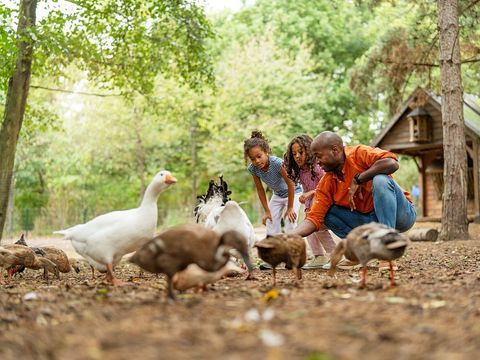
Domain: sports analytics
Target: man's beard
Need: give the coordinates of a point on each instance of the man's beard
(329, 168)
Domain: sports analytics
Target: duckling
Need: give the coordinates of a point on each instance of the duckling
(22, 255)
(195, 276)
(370, 241)
(58, 257)
(289, 249)
(174, 249)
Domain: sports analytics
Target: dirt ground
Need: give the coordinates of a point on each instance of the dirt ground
(433, 313)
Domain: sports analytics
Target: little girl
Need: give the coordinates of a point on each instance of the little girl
(301, 167)
(268, 168)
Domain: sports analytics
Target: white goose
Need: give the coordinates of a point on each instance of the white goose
(231, 217)
(105, 239)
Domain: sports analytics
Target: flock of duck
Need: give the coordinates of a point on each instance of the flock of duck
(191, 254)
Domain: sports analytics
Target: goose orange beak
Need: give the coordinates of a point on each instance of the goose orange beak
(169, 179)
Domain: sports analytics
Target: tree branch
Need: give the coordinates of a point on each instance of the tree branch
(421, 63)
(73, 92)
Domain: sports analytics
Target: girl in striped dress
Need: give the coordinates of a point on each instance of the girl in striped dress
(264, 167)
(302, 168)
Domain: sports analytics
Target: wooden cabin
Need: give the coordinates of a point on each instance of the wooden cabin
(416, 131)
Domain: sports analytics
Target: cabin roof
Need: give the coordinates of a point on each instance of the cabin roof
(471, 113)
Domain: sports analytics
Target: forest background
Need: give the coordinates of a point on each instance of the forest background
(91, 141)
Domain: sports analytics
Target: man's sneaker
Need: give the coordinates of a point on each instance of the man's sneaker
(265, 266)
(316, 263)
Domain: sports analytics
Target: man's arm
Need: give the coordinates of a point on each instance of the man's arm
(385, 166)
(305, 228)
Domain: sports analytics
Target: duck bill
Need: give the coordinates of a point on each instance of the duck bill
(169, 179)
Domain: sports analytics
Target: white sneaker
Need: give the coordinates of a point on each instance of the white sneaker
(327, 266)
(345, 264)
(316, 263)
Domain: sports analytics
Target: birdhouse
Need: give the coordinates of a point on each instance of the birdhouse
(419, 121)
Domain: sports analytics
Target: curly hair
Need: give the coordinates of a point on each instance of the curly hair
(293, 170)
(256, 139)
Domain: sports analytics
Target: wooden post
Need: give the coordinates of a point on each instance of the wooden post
(423, 187)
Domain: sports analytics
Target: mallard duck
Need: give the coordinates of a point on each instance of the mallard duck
(370, 241)
(59, 258)
(104, 240)
(23, 255)
(195, 276)
(289, 249)
(174, 249)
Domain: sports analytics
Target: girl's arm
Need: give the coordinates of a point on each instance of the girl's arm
(263, 199)
(306, 195)
(290, 213)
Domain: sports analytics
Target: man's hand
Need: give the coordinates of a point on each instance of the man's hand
(353, 191)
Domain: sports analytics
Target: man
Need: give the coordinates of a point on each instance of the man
(356, 189)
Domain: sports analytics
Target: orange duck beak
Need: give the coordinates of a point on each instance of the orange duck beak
(169, 179)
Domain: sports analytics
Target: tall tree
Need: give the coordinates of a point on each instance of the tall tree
(18, 87)
(122, 44)
(454, 215)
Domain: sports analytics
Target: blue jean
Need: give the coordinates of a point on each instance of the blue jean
(391, 208)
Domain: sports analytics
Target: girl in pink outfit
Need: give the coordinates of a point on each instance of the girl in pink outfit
(302, 168)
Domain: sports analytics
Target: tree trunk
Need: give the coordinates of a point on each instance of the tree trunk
(454, 214)
(9, 222)
(18, 86)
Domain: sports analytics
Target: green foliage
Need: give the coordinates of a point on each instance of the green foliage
(7, 52)
(124, 44)
(405, 53)
(407, 175)
(30, 184)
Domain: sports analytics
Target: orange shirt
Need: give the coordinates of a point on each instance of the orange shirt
(333, 191)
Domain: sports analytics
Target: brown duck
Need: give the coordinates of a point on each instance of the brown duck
(59, 258)
(174, 249)
(370, 241)
(23, 255)
(289, 249)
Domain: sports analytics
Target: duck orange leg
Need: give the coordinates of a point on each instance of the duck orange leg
(298, 275)
(363, 276)
(111, 277)
(392, 273)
